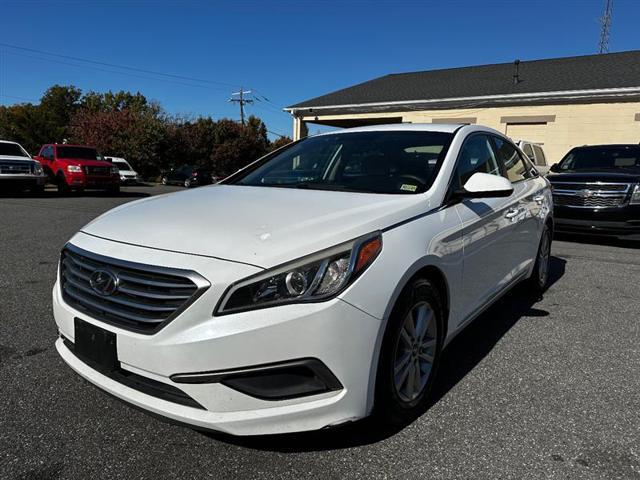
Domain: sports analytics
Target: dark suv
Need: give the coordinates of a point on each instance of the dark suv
(188, 176)
(596, 190)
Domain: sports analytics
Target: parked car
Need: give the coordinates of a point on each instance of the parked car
(264, 305)
(536, 155)
(188, 176)
(125, 170)
(18, 171)
(78, 167)
(596, 190)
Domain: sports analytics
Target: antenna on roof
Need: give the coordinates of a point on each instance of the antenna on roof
(605, 26)
(516, 73)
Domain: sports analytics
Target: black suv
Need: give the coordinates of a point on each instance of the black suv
(596, 190)
(189, 176)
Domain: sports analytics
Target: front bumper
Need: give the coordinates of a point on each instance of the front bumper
(623, 222)
(23, 180)
(81, 180)
(335, 333)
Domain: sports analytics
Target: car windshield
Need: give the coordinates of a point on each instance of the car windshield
(395, 162)
(83, 153)
(121, 165)
(12, 149)
(602, 158)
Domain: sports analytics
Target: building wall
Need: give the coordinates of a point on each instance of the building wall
(557, 127)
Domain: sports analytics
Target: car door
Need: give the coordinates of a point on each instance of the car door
(487, 228)
(528, 193)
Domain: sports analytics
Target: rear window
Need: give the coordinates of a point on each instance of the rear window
(83, 153)
(12, 149)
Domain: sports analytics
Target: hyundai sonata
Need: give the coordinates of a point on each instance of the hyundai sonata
(316, 286)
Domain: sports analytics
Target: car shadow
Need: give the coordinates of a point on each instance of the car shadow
(598, 240)
(464, 352)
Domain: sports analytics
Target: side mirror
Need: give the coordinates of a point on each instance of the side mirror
(555, 168)
(485, 185)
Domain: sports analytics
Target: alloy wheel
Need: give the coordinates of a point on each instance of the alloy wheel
(544, 256)
(415, 352)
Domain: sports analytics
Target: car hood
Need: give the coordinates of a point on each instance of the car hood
(261, 226)
(16, 158)
(87, 163)
(595, 176)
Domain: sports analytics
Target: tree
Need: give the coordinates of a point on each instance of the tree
(280, 142)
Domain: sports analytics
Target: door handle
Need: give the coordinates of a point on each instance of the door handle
(512, 213)
(539, 199)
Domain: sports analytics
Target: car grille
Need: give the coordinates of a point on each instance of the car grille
(590, 195)
(15, 168)
(144, 298)
(91, 170)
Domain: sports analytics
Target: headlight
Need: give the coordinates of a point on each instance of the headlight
(37, 169)
(311, 279)
(74, 169)
(635, 196)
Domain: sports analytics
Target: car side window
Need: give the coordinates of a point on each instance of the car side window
(541, 161)
(476, 156)
(515, 166)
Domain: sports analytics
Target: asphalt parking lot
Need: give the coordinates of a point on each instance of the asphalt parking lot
(535, 388)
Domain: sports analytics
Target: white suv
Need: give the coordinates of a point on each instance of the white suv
(312, 288)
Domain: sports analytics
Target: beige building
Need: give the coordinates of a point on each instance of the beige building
(558, 103)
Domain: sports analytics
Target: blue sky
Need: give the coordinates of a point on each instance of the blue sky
(287, 51)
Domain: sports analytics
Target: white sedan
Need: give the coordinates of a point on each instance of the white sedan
(316, 286)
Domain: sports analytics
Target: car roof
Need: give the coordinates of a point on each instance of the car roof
(610, 145)
(403, 127)
(9, 141)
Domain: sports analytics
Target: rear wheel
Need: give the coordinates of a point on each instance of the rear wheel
(113, 189)
(410, 354)
(539, 279)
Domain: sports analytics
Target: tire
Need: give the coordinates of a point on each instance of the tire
(113, 189)
(63, 187)
(539, 279)
(164, 181)
(396, 401)
(187, 183)
(37, 190)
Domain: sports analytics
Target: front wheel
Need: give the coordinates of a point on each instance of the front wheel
(164, 180)
(63, 187)
(187, 183)
(410, 354)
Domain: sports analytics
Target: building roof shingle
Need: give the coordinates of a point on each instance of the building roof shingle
(589, 72)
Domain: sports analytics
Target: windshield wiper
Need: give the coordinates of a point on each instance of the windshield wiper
(331, 187)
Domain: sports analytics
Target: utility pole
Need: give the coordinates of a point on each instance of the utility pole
(239, 98)
(605, 25)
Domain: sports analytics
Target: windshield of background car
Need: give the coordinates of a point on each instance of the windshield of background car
(13, 150)
(121, 165)
(394, 162)
(83, 153)
(602, 158)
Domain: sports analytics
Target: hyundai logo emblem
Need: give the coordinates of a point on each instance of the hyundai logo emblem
(103, 282)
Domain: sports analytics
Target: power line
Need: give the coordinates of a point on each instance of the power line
(175, 82)
(114, 65)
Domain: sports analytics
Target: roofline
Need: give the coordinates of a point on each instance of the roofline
(511, 96)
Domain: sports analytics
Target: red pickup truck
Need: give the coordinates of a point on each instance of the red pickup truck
(77, 167)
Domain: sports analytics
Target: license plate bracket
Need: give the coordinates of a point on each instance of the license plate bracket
(96, 346)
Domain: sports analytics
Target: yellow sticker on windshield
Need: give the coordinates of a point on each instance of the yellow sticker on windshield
(408, 188)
